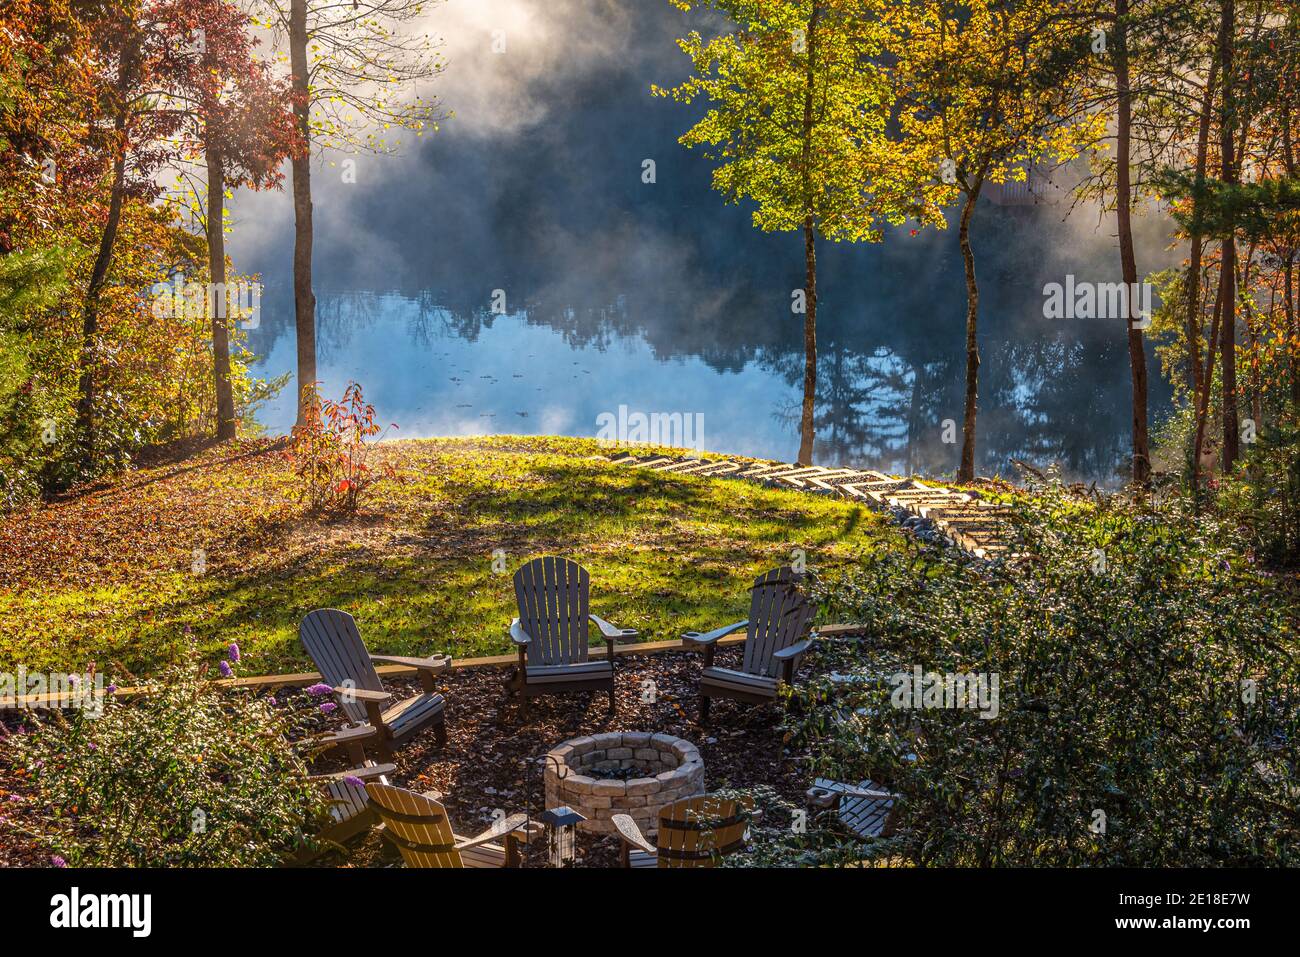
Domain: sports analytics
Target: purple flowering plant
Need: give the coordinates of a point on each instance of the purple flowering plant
(190, 743)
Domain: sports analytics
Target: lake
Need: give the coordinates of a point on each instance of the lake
(514, 274)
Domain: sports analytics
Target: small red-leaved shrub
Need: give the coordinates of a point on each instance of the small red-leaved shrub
(331, 451)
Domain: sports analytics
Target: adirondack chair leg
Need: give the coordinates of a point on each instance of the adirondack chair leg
(512, 850)
(385, 736)
(440, 730)
(609, 655)
(794, 705)
(704, 708)
(521, 681)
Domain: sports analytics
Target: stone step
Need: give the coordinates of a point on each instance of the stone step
(863, 490)
(683, 466)
(719, 468)
(973, 525)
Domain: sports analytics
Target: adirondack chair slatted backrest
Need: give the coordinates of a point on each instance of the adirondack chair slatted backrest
(552, 597)
(345, 800)
(417, 825)
(696, 832)
(331, 638)
(778, 615)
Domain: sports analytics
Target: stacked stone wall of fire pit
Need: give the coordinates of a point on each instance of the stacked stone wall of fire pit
(633, 773)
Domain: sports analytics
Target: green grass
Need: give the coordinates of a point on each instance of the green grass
(666, 554)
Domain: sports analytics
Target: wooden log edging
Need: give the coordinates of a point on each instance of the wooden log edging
(304, 678)
(948, 510)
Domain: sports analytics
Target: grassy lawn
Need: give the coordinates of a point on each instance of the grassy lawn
(106, 574)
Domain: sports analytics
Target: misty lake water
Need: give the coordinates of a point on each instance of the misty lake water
(662, 298)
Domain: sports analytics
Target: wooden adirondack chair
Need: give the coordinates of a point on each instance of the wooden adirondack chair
(418, 825)
(693, 832)
(866, 810)
(551, 633)
(350, 810)
(774, 643)
(331, 638)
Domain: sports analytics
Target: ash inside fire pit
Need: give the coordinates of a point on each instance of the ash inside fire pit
(634, 773)
(614, 774)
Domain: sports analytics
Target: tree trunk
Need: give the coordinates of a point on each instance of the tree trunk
(1193, 284)
(1228, 358)
(218, 300)
(913, 417)
(1227, 329)
(304, 299)
(807, 418)
(1252, 321)
(1288, 157)
(966, 472)
(1141, 468)
(807, 425)
(1203, 408)
(99, 274)
(1293, 327)
(90, 318)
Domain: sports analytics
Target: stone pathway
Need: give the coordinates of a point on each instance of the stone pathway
(923, 508)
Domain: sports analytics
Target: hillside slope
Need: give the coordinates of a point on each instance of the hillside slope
(214, 548)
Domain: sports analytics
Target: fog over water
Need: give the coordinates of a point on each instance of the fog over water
(660, 296)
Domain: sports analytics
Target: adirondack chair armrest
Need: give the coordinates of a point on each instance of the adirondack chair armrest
(330, 739)
(866, 793)
(515, 822)
(830, 799)
(427, 667)
(787, 656)
(822, 798)
(631, 837)
(372, 700)
(353, 739)
(434, 663)
(611, 632)
(798, 648)
(363, 695)
(363, 774)
(709, 637)
(518, 635)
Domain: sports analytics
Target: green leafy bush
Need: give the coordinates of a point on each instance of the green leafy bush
(189, 776)
(1149, 708)
(32, 415)
(1264, 499)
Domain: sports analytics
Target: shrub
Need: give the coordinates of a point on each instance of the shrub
(779, 836)
(153, 373)
(331, 451)
(1264, 499)
(1149, 706)
(188, 776)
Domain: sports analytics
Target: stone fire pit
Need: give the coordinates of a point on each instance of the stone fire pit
(629, 772)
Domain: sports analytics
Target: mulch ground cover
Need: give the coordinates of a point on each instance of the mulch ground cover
(493, 758)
